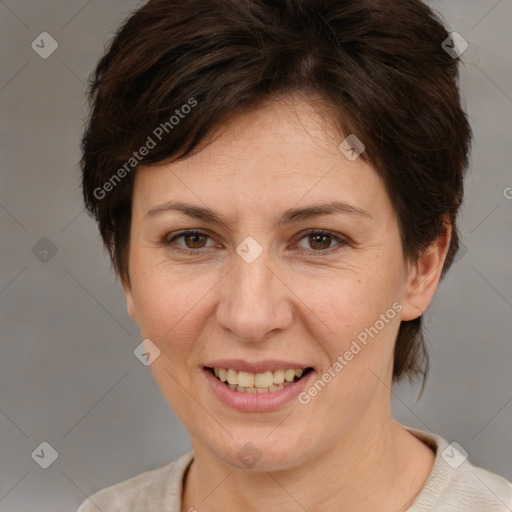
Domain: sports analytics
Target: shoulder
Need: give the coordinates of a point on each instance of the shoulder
(456, 484)
(160, 487)
(475, 489)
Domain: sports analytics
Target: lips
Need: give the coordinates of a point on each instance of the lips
(257, 399)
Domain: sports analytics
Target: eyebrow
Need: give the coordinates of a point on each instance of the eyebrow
(287, 217)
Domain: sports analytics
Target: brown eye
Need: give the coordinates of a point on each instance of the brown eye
(195, 240)
(319, 241)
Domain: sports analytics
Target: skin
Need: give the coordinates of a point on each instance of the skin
(342, 450)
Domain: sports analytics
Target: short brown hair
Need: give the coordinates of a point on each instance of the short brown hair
(379, 64)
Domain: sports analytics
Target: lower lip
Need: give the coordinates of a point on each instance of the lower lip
(256, 402)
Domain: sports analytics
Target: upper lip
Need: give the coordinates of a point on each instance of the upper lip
(268, 365)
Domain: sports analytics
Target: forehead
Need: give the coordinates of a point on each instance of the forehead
(283, 153)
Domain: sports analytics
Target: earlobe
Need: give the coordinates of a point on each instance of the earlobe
(424, 275)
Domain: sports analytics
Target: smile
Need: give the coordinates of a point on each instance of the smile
(265, 382)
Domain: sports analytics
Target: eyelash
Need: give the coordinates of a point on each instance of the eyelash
(168, 241)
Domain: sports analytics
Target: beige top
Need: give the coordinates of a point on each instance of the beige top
(454, 485)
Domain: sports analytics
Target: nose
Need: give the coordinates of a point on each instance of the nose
(255, 301)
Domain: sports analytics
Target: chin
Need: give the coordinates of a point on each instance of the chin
(253, 453)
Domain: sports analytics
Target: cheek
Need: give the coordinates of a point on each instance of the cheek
(356, 321)
(171, 309)
(344, 304)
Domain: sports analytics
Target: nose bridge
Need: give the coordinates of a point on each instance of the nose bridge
(254, 302)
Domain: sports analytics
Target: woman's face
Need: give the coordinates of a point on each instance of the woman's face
(257, 289)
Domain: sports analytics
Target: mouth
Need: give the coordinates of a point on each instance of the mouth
(265, 382)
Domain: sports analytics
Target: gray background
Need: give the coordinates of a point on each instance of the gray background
(68, 375)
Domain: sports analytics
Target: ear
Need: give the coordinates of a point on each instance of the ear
(130, 303)
(423, 276)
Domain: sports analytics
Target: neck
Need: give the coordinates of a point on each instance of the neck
(372, 467)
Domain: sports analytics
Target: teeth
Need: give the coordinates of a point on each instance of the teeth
(246, 379)
(278, 376)
(264, 382)
(232, 376)
(289, 375)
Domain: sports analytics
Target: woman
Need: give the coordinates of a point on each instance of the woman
(278, 185)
